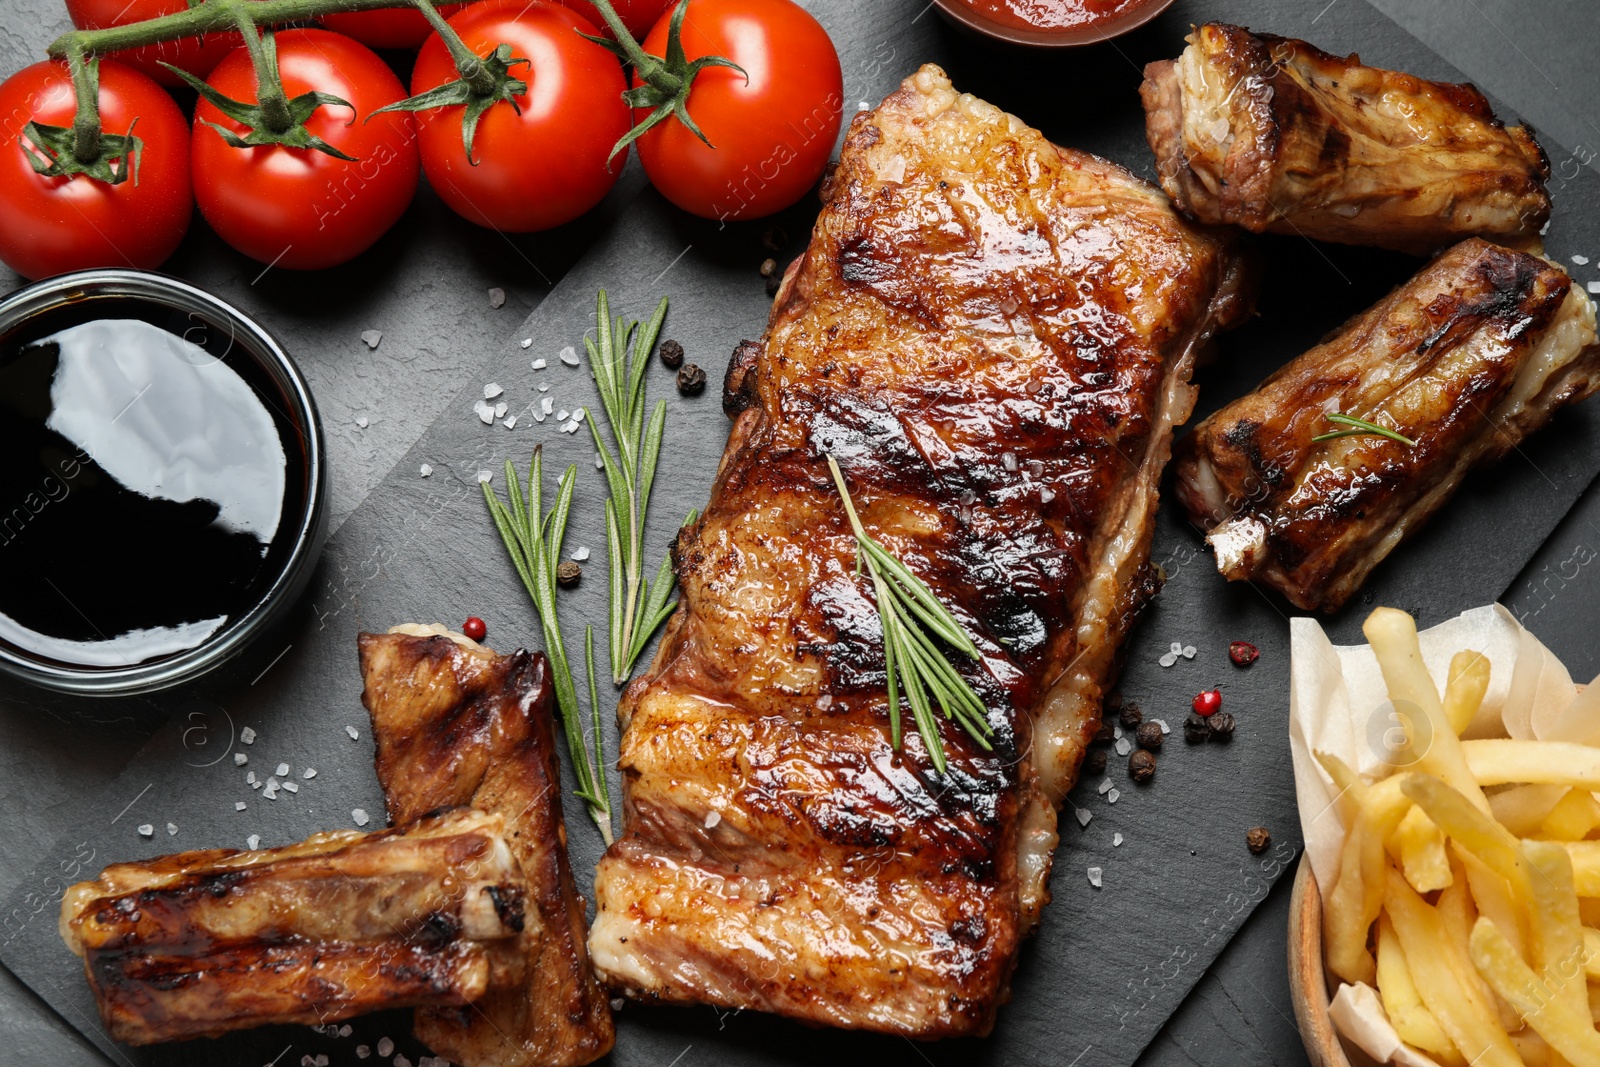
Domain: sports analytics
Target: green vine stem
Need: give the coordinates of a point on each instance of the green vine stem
(216, 16)
(86, 118)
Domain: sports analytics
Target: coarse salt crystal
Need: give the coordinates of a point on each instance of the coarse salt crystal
(320, 1060)
(310, 773)
(1111, 797)
(271, 791)
(547, 404)
(1188, 651)
(599, 464)
(401, 1061)
(372, 337)
(484, 411)
(1593, 287)
(247, 735)
(361, 421)
(253, 842)
(354, 734)
(1116, 731)
(1008, 460)
(255, 785)
(283, 770)
(291, 787)
(240, 759)
(1165, 729)
(1116, 839)
(362, 1052)
(492, 390)
(1123, 747)
(526, 342)
(563, 415)
(569, 356)
(426, 470)
(712, 818)
(1105, 786)
(510, 423)
(346, 1030)
(485, 476)
(539, 364)
(581, 554)
(538, 416)
(1083, 816)
(1095, 874)
(239, 805)
(1045, 496)
(1580, 260)
(500, 409)
(544, 388)
(249, 777)
(1168, 659)
(146, 830)
(497, 298)
(360, 816)
(385, 1047)
(570, 426)
(172, 829)
(580, 414)
(863, 106)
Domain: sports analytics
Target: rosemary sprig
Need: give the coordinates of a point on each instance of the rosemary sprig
(908, 611)
(1360, 427)
(533, 538)
(619, 358)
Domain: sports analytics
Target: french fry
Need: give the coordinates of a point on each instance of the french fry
(1496, 902)
(1585, 857)
(1557, 949)
(1393, 636)
(1472, 1026)
(1574, 815)
(1594, 1003)
(1497, 761)
(1470, 828)
(1591, 952)
(1521, 808)
(1419, 849)
(1348, 785)
(1357, 895)
(1568, 1032)
(1407, 1013)
(1467, 682)
(1458, 911)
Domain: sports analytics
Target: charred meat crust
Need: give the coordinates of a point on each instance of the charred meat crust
(1467, 358)
(1275, 135)
(461, 725)
(993, 337)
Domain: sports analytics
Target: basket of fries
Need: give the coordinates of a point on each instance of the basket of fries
(1447, 909)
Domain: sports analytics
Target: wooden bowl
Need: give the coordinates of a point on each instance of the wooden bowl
(1308, 982)
(976, 22)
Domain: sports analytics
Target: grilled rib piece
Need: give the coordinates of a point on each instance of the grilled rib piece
(455, 723)
(343, 923)
(994, 337)
(1275, 135)
(1467, 358)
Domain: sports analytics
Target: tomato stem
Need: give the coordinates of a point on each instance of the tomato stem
(273, 104)
(469, 65)
(86, 140)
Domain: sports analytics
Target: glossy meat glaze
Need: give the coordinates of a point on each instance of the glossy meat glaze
(1466, 359)
(458, 724)
(993, 336)
(1276, 135)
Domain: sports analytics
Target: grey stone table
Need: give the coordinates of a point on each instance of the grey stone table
(1536, 55)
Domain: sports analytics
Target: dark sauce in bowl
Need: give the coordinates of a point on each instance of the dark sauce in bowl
(154, 488)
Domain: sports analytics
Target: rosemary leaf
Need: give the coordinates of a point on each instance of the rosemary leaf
(1360, 427)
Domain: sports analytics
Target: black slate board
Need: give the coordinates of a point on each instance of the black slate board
(1109, 965)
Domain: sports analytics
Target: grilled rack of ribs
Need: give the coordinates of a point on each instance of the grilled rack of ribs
(1466, 359)
(454, 724)
(994, 338)
(344, 923)
(1275, 135)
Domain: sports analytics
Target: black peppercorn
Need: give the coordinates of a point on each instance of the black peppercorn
(1105, 733)
(1195, 730)
(568, 574)
(691, 380)
(671, 355)
(1095, 761)
(1221, 726)
(1149, 735)
(1258, 839)
(1142, 765)
(1130, 715)
(769, 267)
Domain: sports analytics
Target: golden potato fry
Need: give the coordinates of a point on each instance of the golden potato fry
(1357, 895)
(1496, 902)
(1418, 847)
(1556, 945)
(1497, 761)
(1470, 828)
(1472, 1025)
(1407, 1013)
(1393, 636)
(1458, 911)
(1569, 1033)
(1574, 815)
(1522, 808)
(1585, 857)
(1348, 786)
(1591, 952)
(1594, 1002)
(1463, 691)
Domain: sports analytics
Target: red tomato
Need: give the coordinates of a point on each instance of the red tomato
(774, 136)
(546, 165)
(637, 15)
(401, 27)
(197, 55)
(53, 225)
(298, 207)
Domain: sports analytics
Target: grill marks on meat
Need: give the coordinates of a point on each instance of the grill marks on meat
(199, 943)
(455, 724)
(1275, 135)
(1468, 358)
(993, 336)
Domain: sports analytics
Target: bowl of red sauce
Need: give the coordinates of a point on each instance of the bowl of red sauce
(1051, 23)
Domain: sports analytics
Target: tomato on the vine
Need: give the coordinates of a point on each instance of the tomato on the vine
(299, 207)
(197, 55)
(637, 15)
(397, 27)
(50, 225)
(772, 137)
(544, 162)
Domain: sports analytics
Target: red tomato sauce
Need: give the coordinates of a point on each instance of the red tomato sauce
(1051, 14)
